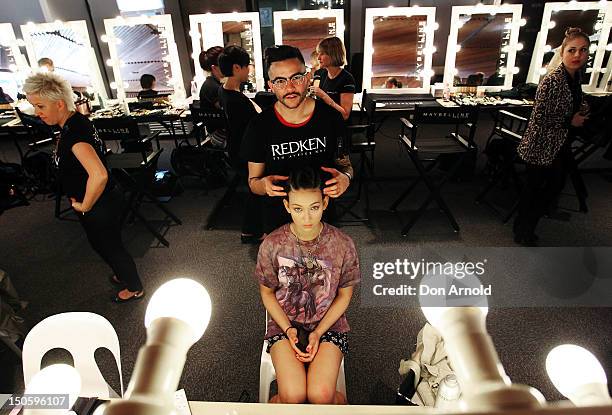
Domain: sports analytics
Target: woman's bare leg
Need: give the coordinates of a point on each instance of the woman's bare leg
(323, 376)
(290, 374)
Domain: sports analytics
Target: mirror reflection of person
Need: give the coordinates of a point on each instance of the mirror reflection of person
(5, 98)
(476, 79)
(392, 83)
(147, 83)
(46, 65)
(209, 92)
(333, 84)
(82, 173)
(546, 147)
(314, 61)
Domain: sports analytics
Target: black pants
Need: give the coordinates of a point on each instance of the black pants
(252, 219)
(103, 228)
(542, 187)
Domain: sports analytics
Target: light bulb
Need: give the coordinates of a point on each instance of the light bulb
(104, 38)
(523, 22)
(20, 42)
(519, 46)
(515, 70)
(56, 379)
(109, 62)
(578, 375)
(194, 307)
(552, 24)
(113, 85)
(457, 48)
(547, 48)
(609, 47)
(542, 71)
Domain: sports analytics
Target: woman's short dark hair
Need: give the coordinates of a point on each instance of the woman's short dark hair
(210, 57)
(146, 81)
(233, 55)
(306, 178)
(573, 33)
(279, 53)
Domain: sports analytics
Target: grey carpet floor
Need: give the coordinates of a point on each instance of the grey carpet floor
(53, 268)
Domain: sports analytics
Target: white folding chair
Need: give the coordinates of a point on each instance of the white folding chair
(81, 334)
(267, 374)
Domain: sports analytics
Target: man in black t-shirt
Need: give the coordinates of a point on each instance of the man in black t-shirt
(295, 132)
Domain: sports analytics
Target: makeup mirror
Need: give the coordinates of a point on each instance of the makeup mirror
(557, 17)
(225, 29)
(143, 45)
(399, 44)
(13, 65)
(482, 45)
(67, 45)
(304, 29)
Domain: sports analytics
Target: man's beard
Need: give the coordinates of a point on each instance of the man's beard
(302, 98)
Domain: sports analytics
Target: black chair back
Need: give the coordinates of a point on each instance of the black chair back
(442, 115)
(125, 130)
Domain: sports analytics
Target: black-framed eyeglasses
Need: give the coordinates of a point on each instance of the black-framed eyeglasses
(297, 79)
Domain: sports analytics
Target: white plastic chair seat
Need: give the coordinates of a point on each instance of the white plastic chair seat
(267, 374)
(81, 334)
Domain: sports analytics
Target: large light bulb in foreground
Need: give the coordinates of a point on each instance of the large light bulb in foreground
(183, 299)
(177, 316)
(578, 375)
(58, 379)
(461, 320)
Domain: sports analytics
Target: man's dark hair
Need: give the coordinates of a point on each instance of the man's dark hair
(146, 81)
(210, 57)
(233, 55)
(279, 53)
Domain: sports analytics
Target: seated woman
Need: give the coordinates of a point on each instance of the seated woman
(147, 82)
(307, 270)
(209, 93)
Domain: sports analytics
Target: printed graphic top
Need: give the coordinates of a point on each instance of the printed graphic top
(305, 291)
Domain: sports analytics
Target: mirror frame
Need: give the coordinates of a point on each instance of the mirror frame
(449, 64)
(23, 68)
(175, 65)
(370, 15)
(80, 27)
(604, 40)
(201, 20)
(537, 57)
(279, 16)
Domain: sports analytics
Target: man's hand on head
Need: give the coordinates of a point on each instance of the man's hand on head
(337, 185)
(272, 187)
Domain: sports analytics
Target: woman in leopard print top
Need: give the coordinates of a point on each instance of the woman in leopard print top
(545, 146)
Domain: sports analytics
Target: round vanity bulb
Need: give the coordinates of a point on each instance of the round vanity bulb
(183, 299)
(547, 48)
(109, 62)
(552, 24)
(56, 379)
(523, 22)
(519, 46)
(113, 85)
(104, 38)
(609, 47)
(435, 315)
(571, 368)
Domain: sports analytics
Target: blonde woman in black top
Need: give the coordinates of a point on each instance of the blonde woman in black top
(545, 146)
(79, 157)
